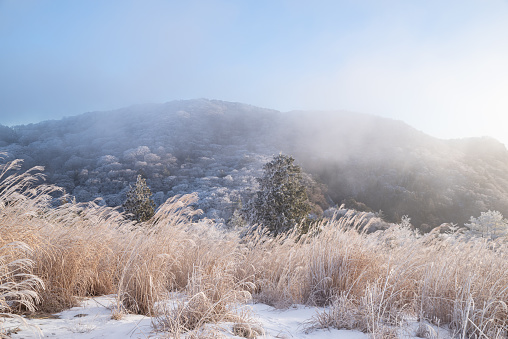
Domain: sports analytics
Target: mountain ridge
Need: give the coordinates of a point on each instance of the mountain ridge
(218, 148)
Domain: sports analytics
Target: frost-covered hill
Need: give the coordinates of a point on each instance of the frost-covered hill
(390, 166)
(217, 148)
(213, 148)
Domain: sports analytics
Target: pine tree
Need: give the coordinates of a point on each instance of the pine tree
(490, 225)
(281, 202)
(139, 205)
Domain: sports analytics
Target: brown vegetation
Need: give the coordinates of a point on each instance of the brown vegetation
(372, 282)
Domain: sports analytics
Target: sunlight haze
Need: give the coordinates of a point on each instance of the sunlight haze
(254, 169)
(439, 66)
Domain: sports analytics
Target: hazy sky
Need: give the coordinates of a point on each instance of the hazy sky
(439, 65)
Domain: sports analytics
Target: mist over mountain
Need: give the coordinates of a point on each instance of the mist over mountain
(218, 148)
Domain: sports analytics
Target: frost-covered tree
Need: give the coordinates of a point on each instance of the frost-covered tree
(139, 204)
(7, 135)
(281, 201)
(489, 224)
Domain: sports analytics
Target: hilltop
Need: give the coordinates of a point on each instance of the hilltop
(217, 149)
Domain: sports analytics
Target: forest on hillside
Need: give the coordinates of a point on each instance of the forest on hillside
(217, 149)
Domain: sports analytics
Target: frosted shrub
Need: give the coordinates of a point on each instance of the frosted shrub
(490, 225)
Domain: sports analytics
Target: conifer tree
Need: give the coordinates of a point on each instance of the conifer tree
(139, 205)
(490, 225)
(281, 202)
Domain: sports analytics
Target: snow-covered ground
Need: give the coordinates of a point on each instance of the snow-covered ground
(93, 320)
(292, 323)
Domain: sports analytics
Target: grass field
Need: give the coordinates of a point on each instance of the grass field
(375, 282)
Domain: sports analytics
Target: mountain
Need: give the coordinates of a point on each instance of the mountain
(218, 148)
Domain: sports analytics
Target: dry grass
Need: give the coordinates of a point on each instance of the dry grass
(86, 250)
(445, 279)
(214, 295)
(370, 282)
(18, 286)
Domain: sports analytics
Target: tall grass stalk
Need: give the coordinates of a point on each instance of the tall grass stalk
(371, 282)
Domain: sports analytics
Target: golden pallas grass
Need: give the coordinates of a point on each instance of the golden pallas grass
(55, 253)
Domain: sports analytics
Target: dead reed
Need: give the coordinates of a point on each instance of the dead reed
(371, 282)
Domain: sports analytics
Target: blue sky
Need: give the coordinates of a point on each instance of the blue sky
(441, 66)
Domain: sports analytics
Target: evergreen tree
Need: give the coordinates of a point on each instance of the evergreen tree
(489, 225)
(139, 205)
(281, 202)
